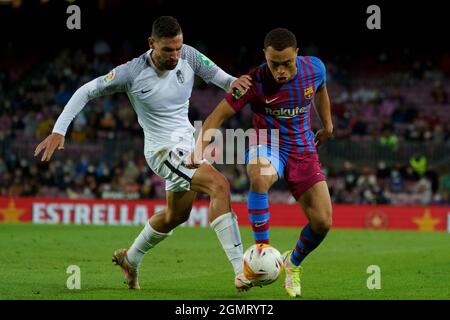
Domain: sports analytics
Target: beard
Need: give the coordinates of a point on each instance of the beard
(169, 65)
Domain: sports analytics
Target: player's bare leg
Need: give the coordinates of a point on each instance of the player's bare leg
(158, 227)
(210, 181)
(316, 205)
(262, 175)
(179, 206)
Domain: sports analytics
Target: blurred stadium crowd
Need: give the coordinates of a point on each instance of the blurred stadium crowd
(404, 113)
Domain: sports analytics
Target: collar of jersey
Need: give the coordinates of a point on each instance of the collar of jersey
(149, 60)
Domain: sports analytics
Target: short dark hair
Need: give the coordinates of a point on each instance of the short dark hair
(280, 39)
(166, 26)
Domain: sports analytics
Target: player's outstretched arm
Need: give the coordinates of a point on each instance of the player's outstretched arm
(323, 109)
(115, 81)
(56, 139)
(222, 112)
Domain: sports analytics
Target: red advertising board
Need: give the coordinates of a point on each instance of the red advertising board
(131, 212)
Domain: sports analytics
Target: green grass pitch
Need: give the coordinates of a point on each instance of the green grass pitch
(192, 265)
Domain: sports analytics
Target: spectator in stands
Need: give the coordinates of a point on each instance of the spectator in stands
(366, 184)
(439, 94)
(389, 139)
(423, 188)
(419, 164)
(350, 176)
(383, 171)
(396, 181)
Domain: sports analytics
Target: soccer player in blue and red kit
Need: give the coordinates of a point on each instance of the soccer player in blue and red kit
(281, 96)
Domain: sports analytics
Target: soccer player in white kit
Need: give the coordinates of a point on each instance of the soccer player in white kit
(159, 84)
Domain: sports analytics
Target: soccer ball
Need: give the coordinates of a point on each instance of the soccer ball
(262, 264)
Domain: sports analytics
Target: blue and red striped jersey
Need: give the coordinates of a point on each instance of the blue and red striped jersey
(285, 107)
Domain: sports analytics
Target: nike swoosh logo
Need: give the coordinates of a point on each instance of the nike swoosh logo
(142, 91)
(257, 225)
(237, 245)
(272, 100)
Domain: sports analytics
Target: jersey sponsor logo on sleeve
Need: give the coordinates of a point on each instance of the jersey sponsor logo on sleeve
(111, 75)
(205, 60)
(237, 94)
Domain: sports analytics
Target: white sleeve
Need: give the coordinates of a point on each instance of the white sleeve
(117, 80)
(205, 68)
(222, 79)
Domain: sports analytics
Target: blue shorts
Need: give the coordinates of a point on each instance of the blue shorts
(277, 157)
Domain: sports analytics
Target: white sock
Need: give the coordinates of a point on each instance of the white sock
(147, 239)
(227, 230)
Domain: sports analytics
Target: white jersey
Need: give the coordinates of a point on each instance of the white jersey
(160, 98)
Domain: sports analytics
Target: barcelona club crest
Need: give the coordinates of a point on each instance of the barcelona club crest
(308, 92)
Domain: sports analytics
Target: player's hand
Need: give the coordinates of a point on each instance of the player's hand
(322, 135)
(50, 144)
(243, 83)
(193, 162)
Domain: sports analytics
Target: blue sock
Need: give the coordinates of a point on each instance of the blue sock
(307, 242)
(258, 213)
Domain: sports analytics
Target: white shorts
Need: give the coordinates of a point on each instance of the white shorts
(167, 163)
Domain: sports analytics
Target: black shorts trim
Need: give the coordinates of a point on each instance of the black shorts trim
(178, 172)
